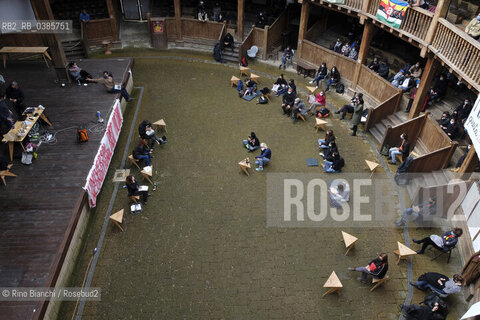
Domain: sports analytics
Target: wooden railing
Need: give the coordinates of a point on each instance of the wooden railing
(275, 32)
(171, 27)
(354, 4)
(433, 161)
(382, 111)
(373, 7)
(96, 31)
(460, 51)
(376, 86)
(246, 44)
(223, 32)
(417, 22)
(411, 127)
(193, 28)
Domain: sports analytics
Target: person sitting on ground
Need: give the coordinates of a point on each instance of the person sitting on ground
(337, 46)
(133, 189)
(291, 84)
(403, 149)
(416, 70)
(286, 57)
(452, 129)
(325, 143)
(357, 113)
(444, 120)
(84, 16)
(280, 84)
(473, 28)
(347, 108)
(336, 165)
(327, 155)
(252, 143)
(251, 87)
(424, 312)
(320, 100)
(339, 194)
(438, 90)
(216, 11)
(461, 159)
(445, 242)
(261, 21)
(15, 96)
(321, 74)
(377, 268)
(142, 152)
(110, 85)
(299, 107)
(264, 157)
(383, 69)
(228, 42)
(353, 53)
(439, 283)
(428, 208)
(398, 78)
(462, 112)
(374, 65)
(202, 11)
(146, 132)
(288, 102)
(78, 74)
(6, 116)
(408, 83)
(334, 78)
(345, 49)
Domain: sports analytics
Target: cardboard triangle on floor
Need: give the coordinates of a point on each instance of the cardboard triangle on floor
(333, 281)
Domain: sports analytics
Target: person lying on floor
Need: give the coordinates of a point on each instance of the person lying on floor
(428, 208)
(377, 268)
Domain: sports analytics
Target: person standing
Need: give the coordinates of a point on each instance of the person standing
(15, 96)
(287, 57)
(357, 113)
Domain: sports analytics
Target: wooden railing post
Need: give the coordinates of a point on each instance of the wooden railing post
(302, 29)
(425, 83)
(178, 22)
(368, 32)
(440, 12)
(265, 42)
(113, 21)
(240, 13)
(469, 164)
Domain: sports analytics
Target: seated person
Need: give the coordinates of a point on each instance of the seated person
(261, 21)
(321, 74)
(403, 149)
(146, 132)
(462, 112)
(15, 96)
(336, 165)
(252, 143)
(143, 152)
(334, 78)
(377, 268)
(423, 312)
(398, 78)
(339, 193)
(288, 101)
(444, 243)
(353, 53)
(444, 120)
(286, 57)
(416, 70)
(418, 3)
(279, 84)
(298, 107)
(374, 65)
(337, 46)
(264, 157)
(383, 69)
(110, 85)
(439, 89)
(345, 49)
(408, 83)
(251, 87)
(284, 89)
(320, 100)
(221, 17)
(6, 116)
(439, 283)
(329, 151)
(428, 208)
(325, 143)
(202, 11)
(473, 28)
(347, 108)
(452, 129)
(77, 74)
(133, 189)
(228, 42)
(461, 159)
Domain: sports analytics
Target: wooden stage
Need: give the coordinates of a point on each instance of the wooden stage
(39, 208)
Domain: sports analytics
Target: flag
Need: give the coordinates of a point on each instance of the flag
(392, 12)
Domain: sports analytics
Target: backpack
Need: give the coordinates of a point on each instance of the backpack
(323, 113)
(340, 88)
(244, 62)
(82, 135)
(240, 85)
(262, 100)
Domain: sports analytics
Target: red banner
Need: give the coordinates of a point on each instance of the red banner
(97, 173)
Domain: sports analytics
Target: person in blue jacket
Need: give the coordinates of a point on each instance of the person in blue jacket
(264, 157)
(443, 243)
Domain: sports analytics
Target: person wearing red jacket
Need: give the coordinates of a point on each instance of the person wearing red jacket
(377, 268)
(320, 100)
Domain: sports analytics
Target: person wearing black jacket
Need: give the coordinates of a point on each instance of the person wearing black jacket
(374, 65)
(383, 69)
(146, 132)
(6, 117)
(335, 165)
(321, 74)
(334, 78)
(252, 143)
(142, 152)
(462, 111)
(288, 101)
(228, 42)
(438, 90)
(377, 268)
(417, 312)
(329, 151)
(444, 120)
(452, 129)
(324, 143)
(132, 188)
(444, 242)
(16, 97)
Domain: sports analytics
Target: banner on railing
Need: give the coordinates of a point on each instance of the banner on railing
(97, 173)
(472, 125)
(336, 1)
(392, 12)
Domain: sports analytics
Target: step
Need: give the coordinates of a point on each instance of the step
(440, 177)
(395, 120)
(381, 128)
(401, 116)
(376, 134)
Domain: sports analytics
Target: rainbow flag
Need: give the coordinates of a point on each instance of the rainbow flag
(392, 12)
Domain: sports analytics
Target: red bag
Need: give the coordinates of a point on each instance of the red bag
(372, 267)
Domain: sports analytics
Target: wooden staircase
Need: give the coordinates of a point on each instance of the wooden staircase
(378, 131)
(73, 49)
(230, 56)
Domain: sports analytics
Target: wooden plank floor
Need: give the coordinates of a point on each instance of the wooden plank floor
(37, 206)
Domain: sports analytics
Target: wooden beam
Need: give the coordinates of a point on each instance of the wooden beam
(302, 29)
(240, 16)
(469, 164)
(368, 32)
(113, 20)
(178, 19)
(425, 83)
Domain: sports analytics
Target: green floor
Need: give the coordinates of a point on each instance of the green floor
(201, 249)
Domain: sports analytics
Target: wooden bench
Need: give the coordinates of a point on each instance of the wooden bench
(117, 219)
(306, 68)
(134, 161)
(6, 173)
(378, 282)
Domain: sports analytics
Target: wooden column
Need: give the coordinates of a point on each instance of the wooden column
(440, 12)
(178, 21)
(302, 28)
(469, 164)
(425, 84)
(368, 32)
(240, 14)
(113, 20)
(265, 42)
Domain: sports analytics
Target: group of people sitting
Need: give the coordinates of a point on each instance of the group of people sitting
(347, 49)
(452, 123)
(329, 152)
(252, 143)
(331, 77)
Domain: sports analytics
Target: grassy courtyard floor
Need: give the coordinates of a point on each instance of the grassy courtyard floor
(201, 249)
